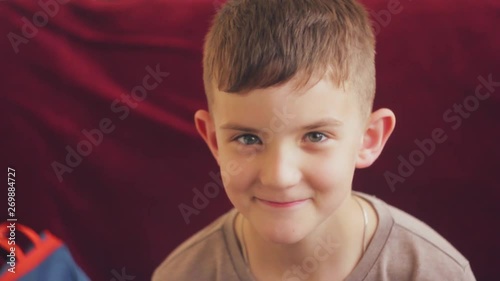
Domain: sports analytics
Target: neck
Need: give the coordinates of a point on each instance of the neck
(332, 250)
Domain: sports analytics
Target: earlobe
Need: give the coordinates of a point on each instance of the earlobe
(380, 126)
(205, 127)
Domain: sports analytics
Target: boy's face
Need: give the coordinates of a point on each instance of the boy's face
(287, 158)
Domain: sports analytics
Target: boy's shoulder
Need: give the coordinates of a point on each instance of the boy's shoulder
(409, 227)
(195, 258)
(405, 248)
(402, 248)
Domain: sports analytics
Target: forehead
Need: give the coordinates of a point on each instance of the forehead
(285, 103)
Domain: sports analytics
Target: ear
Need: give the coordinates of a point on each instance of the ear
(380, 126)
(205, 126)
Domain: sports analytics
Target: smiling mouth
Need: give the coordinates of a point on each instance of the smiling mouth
(282, 204)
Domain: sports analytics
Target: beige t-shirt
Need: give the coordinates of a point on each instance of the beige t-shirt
(402, 249)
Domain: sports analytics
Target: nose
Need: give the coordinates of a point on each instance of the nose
(280, 168)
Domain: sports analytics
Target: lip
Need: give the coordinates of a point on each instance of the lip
(288, 204)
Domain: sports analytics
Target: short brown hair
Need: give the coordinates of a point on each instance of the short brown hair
(254, 44)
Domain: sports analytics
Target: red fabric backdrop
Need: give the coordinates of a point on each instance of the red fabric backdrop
(68, 71)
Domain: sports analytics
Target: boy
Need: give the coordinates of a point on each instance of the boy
(290, 87)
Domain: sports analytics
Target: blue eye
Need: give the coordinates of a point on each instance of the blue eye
(316, 137)
(248, 139)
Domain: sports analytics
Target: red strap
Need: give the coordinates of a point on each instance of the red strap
(5, 245)
(30, 233)
(5, 234)
(27, 262)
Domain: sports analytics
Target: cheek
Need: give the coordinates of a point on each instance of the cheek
(236, 170)
(331, 180)
(332, 170)
(238, 183)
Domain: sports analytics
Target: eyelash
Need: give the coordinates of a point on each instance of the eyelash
(324, 138)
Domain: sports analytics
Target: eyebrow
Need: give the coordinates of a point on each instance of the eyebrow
(236, 127)
(325, 122)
